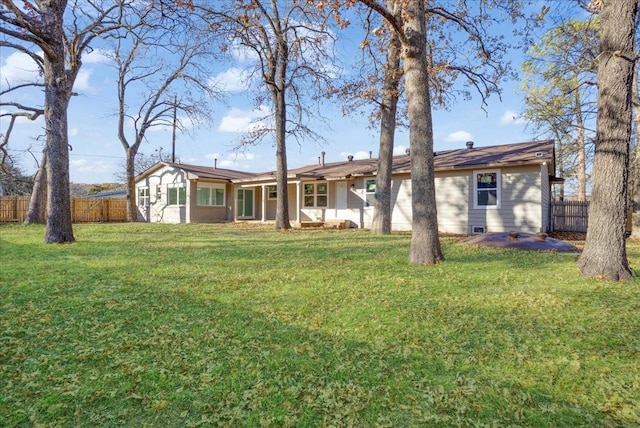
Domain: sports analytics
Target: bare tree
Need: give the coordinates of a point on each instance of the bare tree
(464, 56)
(605, 253)
(160, 66)
(63, 32)
(293, 49)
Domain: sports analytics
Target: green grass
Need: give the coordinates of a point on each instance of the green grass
(218, 325)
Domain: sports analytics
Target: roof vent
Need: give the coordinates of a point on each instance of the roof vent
(406, 152)
(539, 154)
(350, 158)
(469, 144)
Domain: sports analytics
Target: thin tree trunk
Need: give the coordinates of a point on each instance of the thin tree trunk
(132, 209)
(425, 243)
(56, 101)
(38, 200)
(392, 73)
(605, 253)
(280, 102)
(582, 163)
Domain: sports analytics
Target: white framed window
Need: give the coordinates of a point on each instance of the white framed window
(316, 195)
(272, 193)
(158, 192)
(143, 196)
(177, 195)
(210, 196)
(369, 192)
(486, 189)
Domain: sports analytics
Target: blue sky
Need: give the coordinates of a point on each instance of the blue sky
(97, 155)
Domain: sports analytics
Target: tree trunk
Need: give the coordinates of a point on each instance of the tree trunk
(425, 243)
(56, 101)
(132, 209)
(635, 168)
(280, 102)
(392, 73)
(605, 253)
(38, 200)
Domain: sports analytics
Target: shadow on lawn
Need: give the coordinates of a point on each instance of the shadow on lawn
(128, 354)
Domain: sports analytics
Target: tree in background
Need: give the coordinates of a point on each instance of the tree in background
(63, 34)
(293, 50)
(560, 93)
(160, 57)
(604, 252)
(465, 56)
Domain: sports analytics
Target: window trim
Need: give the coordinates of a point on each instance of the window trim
(211, 188)
(274, 191)
(368, 193)
(315, 194)
(142, 198)
(498, 189)
(178, 188)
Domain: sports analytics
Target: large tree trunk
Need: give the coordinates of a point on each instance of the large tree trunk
(392, 73)
(56, 101)
(425, 243)
(38, 200)
(132, 209)
(635, 168)
(605, 254)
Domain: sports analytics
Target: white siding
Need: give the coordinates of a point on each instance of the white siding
(521, 206)
(158, 210)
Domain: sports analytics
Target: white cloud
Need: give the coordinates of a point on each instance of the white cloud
(231, 80)
(18, 68)
(459, 136)
(237, 120)
(82, 80)
(73, 132)
(399, 150)
(511, 118)
(360, 154)
(97, 56)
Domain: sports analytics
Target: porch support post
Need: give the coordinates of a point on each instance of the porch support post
(234, 203)
(298, 193)
(263, 203)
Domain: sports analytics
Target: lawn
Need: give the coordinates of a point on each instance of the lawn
(152, 325)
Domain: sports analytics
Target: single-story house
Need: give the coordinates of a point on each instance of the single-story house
(481, 189)
(178, 193)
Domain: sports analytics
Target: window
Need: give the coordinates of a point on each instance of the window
(143, 196)
(177, 195)
(158, 192)
(272, 192)
(370, 192)
(487, 189)
(210, 196)
(316, 195)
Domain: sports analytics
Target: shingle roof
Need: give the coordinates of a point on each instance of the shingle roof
(201, 172)
(211, 172)
(533, 152)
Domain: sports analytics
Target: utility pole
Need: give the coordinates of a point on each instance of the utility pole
(173, 140)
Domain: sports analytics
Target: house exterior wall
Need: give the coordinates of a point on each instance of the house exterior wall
(207, 214)
(521, 205)
(159, 210)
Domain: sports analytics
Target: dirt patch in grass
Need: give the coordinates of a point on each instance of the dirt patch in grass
(522, 241)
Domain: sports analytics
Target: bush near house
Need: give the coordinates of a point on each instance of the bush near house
(205, 325)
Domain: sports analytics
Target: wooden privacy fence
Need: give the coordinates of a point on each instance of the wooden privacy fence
(569, 216)
(13, 209)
